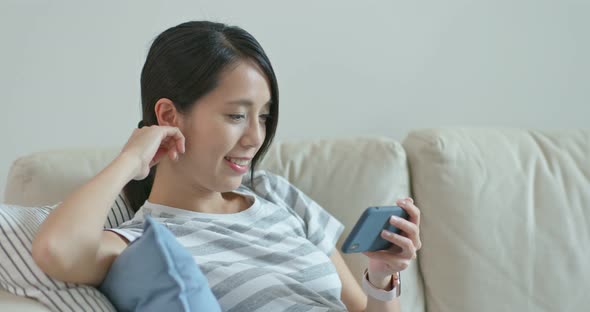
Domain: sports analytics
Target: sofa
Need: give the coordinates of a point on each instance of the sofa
(505, 212)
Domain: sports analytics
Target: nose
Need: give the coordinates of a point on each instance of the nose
(254, 134)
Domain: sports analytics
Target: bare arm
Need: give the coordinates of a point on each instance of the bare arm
(352, 294)
(70, 244)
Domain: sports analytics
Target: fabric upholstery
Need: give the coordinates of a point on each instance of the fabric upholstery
(505, 218)
(46, 178)
(20, 275)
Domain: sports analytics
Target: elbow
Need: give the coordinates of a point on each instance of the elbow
(46, 256)
(63, 262)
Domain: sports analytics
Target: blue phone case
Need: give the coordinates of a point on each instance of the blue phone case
(366, 234)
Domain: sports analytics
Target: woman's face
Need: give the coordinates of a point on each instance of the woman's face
(225, 129)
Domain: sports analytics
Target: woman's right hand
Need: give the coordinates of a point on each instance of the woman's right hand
(148, 145)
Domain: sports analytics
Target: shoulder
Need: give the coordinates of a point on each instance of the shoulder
(277, 189)
(272, 187)
(263, 180)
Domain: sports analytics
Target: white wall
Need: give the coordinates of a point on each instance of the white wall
(69, 70)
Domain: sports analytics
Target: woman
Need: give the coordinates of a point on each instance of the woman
(210, 111)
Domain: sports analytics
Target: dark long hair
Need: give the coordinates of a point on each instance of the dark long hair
(184, 63)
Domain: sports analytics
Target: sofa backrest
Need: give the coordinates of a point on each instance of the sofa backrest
(505, 218)
(344, 176)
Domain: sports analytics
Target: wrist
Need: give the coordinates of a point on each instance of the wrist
(379, 291)
(381, 282)
(129, 165)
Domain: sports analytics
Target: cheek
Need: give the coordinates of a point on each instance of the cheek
(215, 140)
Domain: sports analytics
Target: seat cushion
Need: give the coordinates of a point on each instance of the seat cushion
(505, 218)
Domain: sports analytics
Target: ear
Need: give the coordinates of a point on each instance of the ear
(166, 113)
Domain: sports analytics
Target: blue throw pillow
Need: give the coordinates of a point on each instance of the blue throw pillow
(155, 273)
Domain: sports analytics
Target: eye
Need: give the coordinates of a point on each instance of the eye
(236, 117)
(265, 117)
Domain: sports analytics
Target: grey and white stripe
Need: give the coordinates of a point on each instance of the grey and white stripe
(21, 276)
(119, 213)
(274, 256)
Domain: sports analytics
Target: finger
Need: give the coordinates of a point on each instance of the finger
(173, 154)
(393, 261)
(404, 225)
(410, 229)
(407, 246)
(180, 145)
(171, 146)
(158, 156)
(382, 255)
(177, 136)
(411, 209)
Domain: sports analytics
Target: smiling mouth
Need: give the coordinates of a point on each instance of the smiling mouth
(238, 161)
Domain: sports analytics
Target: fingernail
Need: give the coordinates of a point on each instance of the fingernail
(394, 218)
(387, 233)
(401, 202)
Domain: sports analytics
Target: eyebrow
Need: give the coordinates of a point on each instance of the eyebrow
(248, 103)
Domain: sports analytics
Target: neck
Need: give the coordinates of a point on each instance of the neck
(172, 189)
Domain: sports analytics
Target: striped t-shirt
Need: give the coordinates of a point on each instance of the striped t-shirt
(273, 256)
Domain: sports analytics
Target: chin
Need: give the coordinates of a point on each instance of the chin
(230, 184)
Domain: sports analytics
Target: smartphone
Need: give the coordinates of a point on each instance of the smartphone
(366, 233)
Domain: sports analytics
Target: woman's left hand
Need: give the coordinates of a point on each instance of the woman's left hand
(384, 263)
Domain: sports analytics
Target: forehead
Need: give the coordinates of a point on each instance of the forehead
(243, 84)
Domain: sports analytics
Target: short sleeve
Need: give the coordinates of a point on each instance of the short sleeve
(131, 230)
(322, 229)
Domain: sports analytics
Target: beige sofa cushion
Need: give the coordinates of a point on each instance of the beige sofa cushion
(344, 176)
(506, 217)
(47, 177)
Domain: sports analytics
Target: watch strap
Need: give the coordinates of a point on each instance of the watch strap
(380, 294)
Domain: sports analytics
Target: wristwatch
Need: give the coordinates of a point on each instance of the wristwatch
(381, 294)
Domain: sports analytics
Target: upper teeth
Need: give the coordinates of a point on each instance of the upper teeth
(239, 162)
